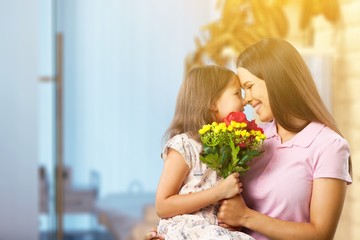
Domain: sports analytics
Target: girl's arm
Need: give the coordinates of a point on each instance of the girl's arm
(327, 200)
(168, 200)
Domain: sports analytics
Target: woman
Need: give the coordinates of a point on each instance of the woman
(296, 190)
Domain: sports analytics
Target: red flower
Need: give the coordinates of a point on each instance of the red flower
(253, 126)
(235, 116)
(242, 145)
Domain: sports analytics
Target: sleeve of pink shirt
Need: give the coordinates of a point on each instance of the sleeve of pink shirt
(333, 160)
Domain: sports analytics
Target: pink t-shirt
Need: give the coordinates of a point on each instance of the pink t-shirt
(279, 183)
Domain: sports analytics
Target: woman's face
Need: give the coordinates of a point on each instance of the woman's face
(256, 94)
(229, 101)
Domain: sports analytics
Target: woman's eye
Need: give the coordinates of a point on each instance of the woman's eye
(249, 86)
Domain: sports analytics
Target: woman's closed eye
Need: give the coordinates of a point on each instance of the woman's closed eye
(248, 86)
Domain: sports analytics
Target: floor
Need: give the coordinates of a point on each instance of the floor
(76, 227)
(79, 236)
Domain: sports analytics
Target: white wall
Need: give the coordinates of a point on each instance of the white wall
(18, 120)
(124, 63)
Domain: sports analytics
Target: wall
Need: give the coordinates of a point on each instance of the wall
(347, 105)
(342, 40)
(123, 65)
(18, 121)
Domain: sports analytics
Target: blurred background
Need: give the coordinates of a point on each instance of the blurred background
(88, 87)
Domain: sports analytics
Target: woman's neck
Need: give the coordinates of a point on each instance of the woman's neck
(286, 135)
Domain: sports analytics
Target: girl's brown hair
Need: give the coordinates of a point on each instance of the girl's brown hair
(291, 88)
(201, 87)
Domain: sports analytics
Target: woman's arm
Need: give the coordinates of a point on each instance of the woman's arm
(168, 200)
(327, 201)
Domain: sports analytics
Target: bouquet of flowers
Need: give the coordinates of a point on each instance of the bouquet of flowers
(228, 146)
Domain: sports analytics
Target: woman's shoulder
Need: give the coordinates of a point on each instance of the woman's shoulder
(319, 135)
(326, 133)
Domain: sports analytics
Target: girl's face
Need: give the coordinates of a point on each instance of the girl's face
(229, 101)
(256, 94)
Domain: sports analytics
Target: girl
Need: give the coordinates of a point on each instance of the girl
(188, 192)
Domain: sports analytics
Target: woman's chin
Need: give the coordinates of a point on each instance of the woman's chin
(264, 118)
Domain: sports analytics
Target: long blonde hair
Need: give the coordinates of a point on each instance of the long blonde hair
(201, 87)
(291, 88)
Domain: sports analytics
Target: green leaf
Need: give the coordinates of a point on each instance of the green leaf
(248, 155)
(241, 169)
(212, 160)
(234, 153)
(225, 154)
(208, 149)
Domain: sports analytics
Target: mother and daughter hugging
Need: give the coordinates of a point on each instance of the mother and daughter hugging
(295, 190)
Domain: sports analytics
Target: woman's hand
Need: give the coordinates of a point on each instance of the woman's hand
(230, 186)
(153, 235)
(232, 211)
(228, 227)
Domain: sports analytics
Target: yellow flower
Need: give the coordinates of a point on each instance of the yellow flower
(222, 126)
(243, 133)
(217, 129)
(243, 125)
(262, 136)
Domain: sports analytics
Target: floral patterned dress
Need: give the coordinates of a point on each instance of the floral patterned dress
(203, 223)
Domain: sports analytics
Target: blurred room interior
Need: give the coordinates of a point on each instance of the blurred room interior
(89, 88)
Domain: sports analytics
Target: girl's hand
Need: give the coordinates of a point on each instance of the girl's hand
(153, 235)
(230, 186)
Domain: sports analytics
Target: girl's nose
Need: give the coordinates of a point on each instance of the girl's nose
(247, 100)
(244, 102)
